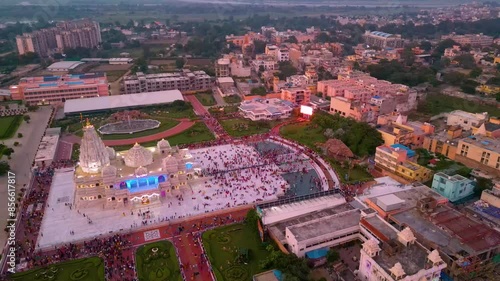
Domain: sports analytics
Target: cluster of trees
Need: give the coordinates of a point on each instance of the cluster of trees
(461, 80)
(4, 167)
(409, 30)
(360, 137)
(286, 69)
(396, 72)
(292, 267)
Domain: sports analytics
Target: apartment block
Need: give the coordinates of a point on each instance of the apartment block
(470, 39)
(268, 62)
(466, 120)
(444, 143)
(396, 161)
(490, 129)
(58, 89)
(480, 152)
(185, 81)
(454, 187)
(70, 34)
(296, 95)
(383, 40)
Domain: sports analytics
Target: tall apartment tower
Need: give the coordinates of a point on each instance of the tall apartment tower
(71, 34)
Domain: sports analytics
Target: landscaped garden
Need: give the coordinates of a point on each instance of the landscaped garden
(165, 124)
(223, 111)
(88, 269)
(197, 133)
(206, 98)
(304, 133)
(235, 252)
(9, 125)
(157, 262)
(239, 127)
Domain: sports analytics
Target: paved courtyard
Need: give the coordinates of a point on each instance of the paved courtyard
(236, 175)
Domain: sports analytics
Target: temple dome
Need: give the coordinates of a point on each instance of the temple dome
(93, 153)
(141, 171)
(109, 171)
(138, 156)
(111, 152)
(163, 145)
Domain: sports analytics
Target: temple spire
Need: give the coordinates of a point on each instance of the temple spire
(93, 153)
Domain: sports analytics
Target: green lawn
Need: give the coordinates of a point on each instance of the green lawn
(207, 99)
(439, 103)
(165, 125)
(304, 133)
(243, 127)
(88, 269)
(197, 133)
(232, 99)
(157, 262)
(356, 174)
(9, 125)
(223, 245)
(114, 75)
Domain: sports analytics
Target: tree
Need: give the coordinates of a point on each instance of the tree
(497, 97)
(323, 38)
(4, 167)
(408, 56)
(19, 135)
(425, 45)
(286, 69)
(16, 143)
(292, 39)
(448, 43)
(252, 218)
(475, 72)
(8, 151)
(27, 118)
(179, 63)
(261, 91)
(482, 184)
(260, 46)
(332, 256)
(466, 61)
(453, 78)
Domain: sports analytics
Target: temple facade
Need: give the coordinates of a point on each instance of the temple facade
(133, 178)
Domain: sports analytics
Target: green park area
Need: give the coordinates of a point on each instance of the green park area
(206, 98)
(304, 133)
(222, 111)
(9, 125)
(157, 262)
(238, 127)
(88, 269)
(234, 252)
(165, 125)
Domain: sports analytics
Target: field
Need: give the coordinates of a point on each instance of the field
(9, 125)
(167, 62)
(224, 245)
(238, 127)
(207, 99)
(199, 62)
(88, 269)
(111, 67)
(157, 262)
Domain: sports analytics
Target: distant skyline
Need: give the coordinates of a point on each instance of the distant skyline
(380, 3)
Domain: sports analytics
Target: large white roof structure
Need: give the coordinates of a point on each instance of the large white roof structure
(64, 65)
(122, 101)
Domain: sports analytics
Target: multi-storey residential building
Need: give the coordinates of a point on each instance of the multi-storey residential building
(470, 39)
(71, 34)
(268, 62)
(395, 160)
(222, 68)
(58, 89)
(244, 39)
(364, 98)
(490, 129)
(410, 133)
(454, 187)
(480, 152)
(296, 95)
(466, 120)
(444, 143)
(185, 81)
(383, 40)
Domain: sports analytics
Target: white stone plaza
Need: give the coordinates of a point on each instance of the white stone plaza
(233, 175)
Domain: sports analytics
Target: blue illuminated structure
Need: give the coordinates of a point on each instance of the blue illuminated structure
(143, 183)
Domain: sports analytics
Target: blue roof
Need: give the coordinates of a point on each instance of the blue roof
(74, 83)
(48, 85)
(316, 254)
(381, 34)
(409, 152)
